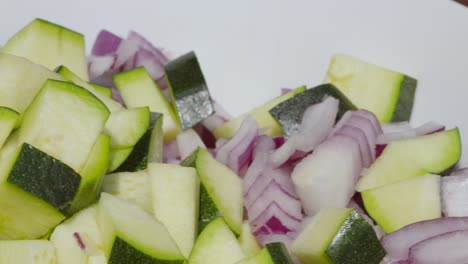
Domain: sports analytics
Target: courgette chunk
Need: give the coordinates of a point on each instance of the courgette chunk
(189, 92)
(289, 113)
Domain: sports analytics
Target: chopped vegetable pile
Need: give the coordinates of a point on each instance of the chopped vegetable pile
(124, 157)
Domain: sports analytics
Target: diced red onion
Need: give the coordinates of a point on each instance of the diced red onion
(145, 44)
(187, 142)
(273, 210)
(448, 248)
(372, 119)
(425, 129)
(238, 150)
(261, 155)
(397, 244)
(285, 90)
(316, 124)
(461, 171)
(279, 176)
(274, 193)
(99, 65)
(396, 127)
(360, 138)
(173, 161)
(455, 195)
(171, 151)
(326, 178)
(106, 43)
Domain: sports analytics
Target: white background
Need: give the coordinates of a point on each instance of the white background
(249, 49)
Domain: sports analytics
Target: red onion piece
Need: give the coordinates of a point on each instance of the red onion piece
(187, 142)
(145, 44)
(326, 178)
(396, 127)
(273, 210)
(372, 119)
(455, 195)
(238, 150)
(425, 129)
(281, 177)
(461, 171)
(274, 193)
(171, 151)
(448, 248)
(261, 154)
(99, 65)
(316, 124)
(397, 244)
(360, 138)
(106, 43)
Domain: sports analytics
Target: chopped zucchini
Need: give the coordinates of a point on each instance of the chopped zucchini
(220, 190)
(289, 113)
(413, 157)
(9, 120)
(103, 90)
(189, 92)
(117, 157)
(273, 253)
(127, 126)
(396, 205)
(16, 90)
(27, 252)
(148, 149)
(50, 45)
(388, 94)
(261, 114)
(92, 174)
(216, 244)
(175, 197)
(137, 89)
(339, 236)
(132, 186)
(125, 230)
(78, 240)
(247, 241)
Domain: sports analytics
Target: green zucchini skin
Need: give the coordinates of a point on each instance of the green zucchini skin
(189, 92)
(45, 177)
(124, 253)
(138, 158)
(279, 253)
(405, 103)
(354, 235)
(289, 113)
(208, 211)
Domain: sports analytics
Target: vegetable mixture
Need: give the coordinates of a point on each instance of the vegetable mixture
(122, 156)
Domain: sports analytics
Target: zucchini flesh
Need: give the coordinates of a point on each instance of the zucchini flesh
(137, 89)
(125, 229)
(273, 253)
(103, 90)
(220, 190)
(27, 252)
(338, 235)
(388, 94)
(260, 114)
(16, 91)
(131, 186)
(396, 205)
(247, 241)
(289, 113)
(148, 149)
(175, 197)
(189, 92)
(117, 157)
(9, 120)
(50, 45)
(92, 174)
(127, 126)
(216, 244)
(45, 177)
(54, 122)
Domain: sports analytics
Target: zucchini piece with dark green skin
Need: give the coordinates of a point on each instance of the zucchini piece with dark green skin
(220, 190)
(338, 236)
(45, 177)
(386, 93)
(273, 253)
(189, 92)
(289, 113)
(148, 149)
